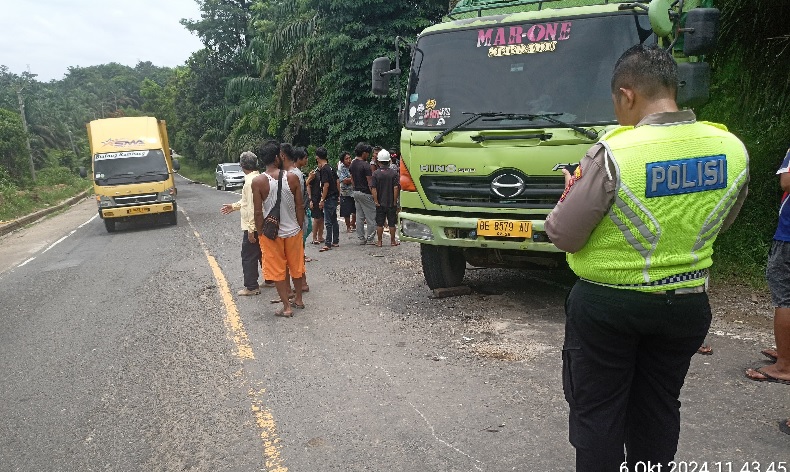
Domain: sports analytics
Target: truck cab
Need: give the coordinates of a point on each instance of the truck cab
(132, 169)
(501, 96)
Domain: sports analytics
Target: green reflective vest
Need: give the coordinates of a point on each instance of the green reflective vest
(676, 184)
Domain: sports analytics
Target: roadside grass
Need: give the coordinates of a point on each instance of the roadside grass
(193, 171)
(53, 185)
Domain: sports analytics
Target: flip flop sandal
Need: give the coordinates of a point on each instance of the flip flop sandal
(296, 305)
(705, 350)
(283, 313)
(315, 242)
(336, 245)
(770, 354)
(768, 377)
(277, 300)
(396, 243)
(325, 248)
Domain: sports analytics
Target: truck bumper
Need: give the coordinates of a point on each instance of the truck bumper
(129, 211)
(461, 232)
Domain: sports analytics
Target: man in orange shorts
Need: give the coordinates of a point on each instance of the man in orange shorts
(286, 250)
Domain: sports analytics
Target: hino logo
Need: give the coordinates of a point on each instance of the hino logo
(507, 185)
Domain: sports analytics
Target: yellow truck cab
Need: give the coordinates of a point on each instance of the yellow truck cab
(132, 169)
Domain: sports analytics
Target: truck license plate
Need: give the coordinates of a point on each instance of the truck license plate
(138, 210)
(505, 228)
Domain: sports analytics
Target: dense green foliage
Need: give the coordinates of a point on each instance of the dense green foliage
(299, 70)
(751, 95)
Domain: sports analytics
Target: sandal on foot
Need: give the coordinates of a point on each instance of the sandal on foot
(395, 243)
(705, 350)
(766, 377)
(336, 245)
(770, 354)
(283, 313)
(378, 244)
(277, 300)
(296, 305)
(325, 248)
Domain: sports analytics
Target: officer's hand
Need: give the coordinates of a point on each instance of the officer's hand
(226, 208)
(567, 176)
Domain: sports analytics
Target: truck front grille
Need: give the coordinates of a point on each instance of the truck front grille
(130, 200)
(468, 191)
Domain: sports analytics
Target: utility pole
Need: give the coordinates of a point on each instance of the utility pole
(27, 136)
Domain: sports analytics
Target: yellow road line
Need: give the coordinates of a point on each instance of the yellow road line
(263, 417)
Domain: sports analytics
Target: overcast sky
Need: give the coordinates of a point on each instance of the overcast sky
(48, 36)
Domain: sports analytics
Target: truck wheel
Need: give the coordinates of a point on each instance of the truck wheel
(110, 225)
(442, 266)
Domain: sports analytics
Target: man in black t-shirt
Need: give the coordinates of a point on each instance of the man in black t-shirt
(329, 198)
(385, 187)
(363, 200)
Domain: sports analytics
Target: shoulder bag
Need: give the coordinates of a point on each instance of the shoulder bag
(271, 224)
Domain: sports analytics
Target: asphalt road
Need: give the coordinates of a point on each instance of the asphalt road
(131, 351)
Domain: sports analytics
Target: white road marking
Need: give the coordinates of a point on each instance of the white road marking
(83, 224)
(59, 240)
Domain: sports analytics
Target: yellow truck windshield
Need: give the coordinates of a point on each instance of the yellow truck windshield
(561, 67)
(128, 167)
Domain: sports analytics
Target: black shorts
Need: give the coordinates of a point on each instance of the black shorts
(318, 213)
(347, 206)
(386, 213)
(777, 271)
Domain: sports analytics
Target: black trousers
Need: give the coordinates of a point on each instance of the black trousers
(625, 358)
(250, 261)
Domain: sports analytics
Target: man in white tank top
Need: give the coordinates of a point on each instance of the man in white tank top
(287, 250)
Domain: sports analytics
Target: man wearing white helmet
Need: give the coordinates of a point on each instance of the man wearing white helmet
(385, 187)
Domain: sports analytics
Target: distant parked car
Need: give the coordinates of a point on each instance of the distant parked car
(229, 175)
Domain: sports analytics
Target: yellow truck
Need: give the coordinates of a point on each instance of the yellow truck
(133, 172)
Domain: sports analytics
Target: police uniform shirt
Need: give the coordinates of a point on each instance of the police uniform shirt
(591, 192)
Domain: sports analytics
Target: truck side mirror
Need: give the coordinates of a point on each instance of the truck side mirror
(83, 172)
(694, 84)
(176, 165)
(381, 77)
(700, 31)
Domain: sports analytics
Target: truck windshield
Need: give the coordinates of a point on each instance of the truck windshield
(117, 168)
(523, 68)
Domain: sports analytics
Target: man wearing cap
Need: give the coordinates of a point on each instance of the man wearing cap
(250, 251)
(385, 187)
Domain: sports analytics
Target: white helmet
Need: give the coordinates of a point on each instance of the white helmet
(384, 155)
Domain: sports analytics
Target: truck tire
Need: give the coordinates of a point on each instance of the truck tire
(172, 218)
(110, 225)
(442, 267)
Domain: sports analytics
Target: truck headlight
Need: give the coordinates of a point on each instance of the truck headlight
(104, 201)
(168, 195)
(415, 230)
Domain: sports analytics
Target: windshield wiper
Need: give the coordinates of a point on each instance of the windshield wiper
(151, 172)
(475, 116)
(588, 133)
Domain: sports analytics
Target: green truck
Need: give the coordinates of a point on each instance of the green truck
(501, 96)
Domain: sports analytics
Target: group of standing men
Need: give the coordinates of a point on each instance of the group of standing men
(282, 184)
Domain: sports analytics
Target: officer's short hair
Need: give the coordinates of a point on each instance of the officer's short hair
(650, 70)
(248, 160)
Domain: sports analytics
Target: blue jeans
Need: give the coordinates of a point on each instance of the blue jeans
(330, 221)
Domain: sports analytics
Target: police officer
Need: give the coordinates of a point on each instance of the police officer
(638, 218)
